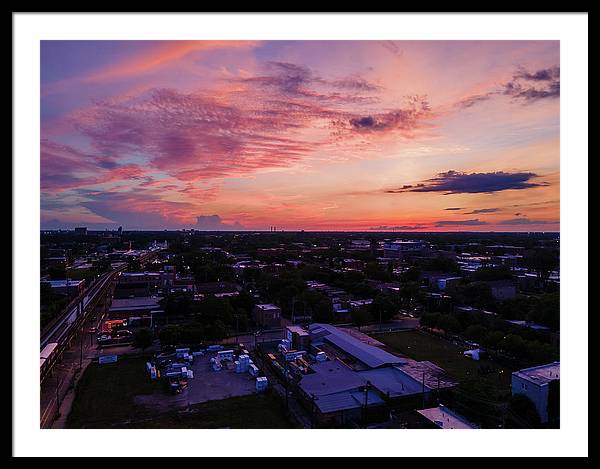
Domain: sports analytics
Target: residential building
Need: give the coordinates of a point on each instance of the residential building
(503, 289)
(298, 337)
(267, 315)
(358, 245)
(447, 282)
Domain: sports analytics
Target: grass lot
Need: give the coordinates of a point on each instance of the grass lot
(82, 274)
(422, 346)
(482, 398)
(105, 394)
(253, 411)
(105, 399)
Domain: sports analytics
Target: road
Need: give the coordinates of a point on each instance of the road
(74, 356)
(57, 385)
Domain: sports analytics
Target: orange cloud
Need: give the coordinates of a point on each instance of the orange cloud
(162, 55)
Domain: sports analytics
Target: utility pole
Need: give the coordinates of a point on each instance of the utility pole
(285, 372)
(367, 386)
(57, 395)
(312, 411)
(423, 390)
(81, 348)
(293, 298)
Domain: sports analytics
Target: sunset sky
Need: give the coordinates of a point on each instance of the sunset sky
(313, 135)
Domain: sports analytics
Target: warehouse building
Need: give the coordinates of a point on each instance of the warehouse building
(360, 378)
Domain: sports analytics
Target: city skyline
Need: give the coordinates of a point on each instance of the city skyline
(314, 135)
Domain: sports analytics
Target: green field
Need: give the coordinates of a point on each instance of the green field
(422, 346)
(245, 412)
(105, 398)
(105, 394)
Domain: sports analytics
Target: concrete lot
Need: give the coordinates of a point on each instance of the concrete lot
(207, 385)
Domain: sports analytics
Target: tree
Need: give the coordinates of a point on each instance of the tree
(413, 274)
(546, 311)
(514, 345)
(409, 292)
(476, 294)
(318, 305)
(374, 271)
(487, 274)
(542, 261)
(475, 332)
(177, 304)
(554, 403)
(360, 317)
(492, 339)
(430, 320)
(385, 306)
(449, 323)
(57, 272)
(441, 264)
(143, 338)
(170, 335)
(525, 409)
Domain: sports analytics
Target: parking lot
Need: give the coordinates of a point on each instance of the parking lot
(207, 385)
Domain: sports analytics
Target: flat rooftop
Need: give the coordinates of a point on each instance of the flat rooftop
(143, 302)
(371, 356)
(140, 274)
(434, 376)
(540, 375)
(445, 418)
(298, 330)
(63, 283)
(330, 377)
(267, 306)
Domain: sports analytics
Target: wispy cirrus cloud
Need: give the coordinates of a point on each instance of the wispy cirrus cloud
(415, 227)
(144, 209)
(154, 133)
(472, 222)
(64, 167)
(526, 221)
(482, 210)
(455, 182)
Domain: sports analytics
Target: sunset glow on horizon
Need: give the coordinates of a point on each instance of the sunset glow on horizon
(301, 135)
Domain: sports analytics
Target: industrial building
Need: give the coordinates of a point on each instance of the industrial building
(400, 249)
(540, 385)
(66, 287)
(358, 377)
(445, 418)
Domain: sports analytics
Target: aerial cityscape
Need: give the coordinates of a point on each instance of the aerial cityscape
(300, 234)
